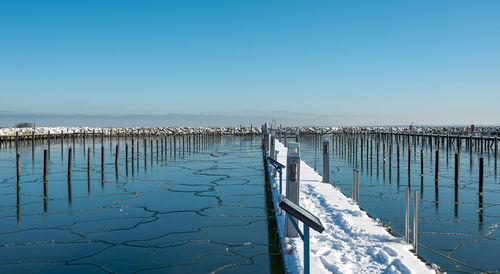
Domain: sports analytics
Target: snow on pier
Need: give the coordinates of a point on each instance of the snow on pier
(352, 241)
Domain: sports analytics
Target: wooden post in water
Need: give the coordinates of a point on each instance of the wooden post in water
(69, 162)
(145, 150)
(132, 156)
(17, 142)
(102, 159)
(422, 162)
(18, 169)
(457, 162)
(45, 165)
(88, 160)
(470, 145)
(481, 174)
(48, 143)
(496, 147)
(33, 144)
(436, 176)
(409, 159)
(398, 156)
(116, 156)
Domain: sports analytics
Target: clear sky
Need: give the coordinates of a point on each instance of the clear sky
(222, 62)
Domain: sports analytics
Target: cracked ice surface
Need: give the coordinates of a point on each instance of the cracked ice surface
(185, 212)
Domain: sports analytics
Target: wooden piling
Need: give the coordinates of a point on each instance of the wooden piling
(45, 156)
(17, 142)
(33, 144)
(18, 169)
(496, 147)
(116, 156)
(436, 175)
(481, 174)
(102, 157)
(409, 159)
(422, 162)
(457, 163)
(69, 161)
(397, 156)
(88, 160)
(48, 143)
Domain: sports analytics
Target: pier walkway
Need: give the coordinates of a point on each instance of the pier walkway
(352, 241)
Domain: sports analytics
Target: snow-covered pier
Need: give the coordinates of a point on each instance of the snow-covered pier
(352, 242)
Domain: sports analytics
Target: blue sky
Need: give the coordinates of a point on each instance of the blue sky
(299, 62)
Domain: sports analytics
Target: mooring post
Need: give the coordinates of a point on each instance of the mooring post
(151, 148)
(17, 143)
(457, 162)
(116, 156)
(481, 174)
(422, 162)
(145, 152)
(69, 162)
(436, 176)
(397, 156)
(470, 145)
(45, 165)
(48, 143)
(292, 183)
(88, 160)
(326, 160)
(409, 158)
(18, 169)
(496, 147)
(102, 158)
(126, 158)
(33, 144)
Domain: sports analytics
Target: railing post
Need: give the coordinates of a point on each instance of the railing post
(307, 268)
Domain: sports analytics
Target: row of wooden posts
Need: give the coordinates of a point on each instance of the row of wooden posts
(189, 143)
(351, 148)
(358, 148)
